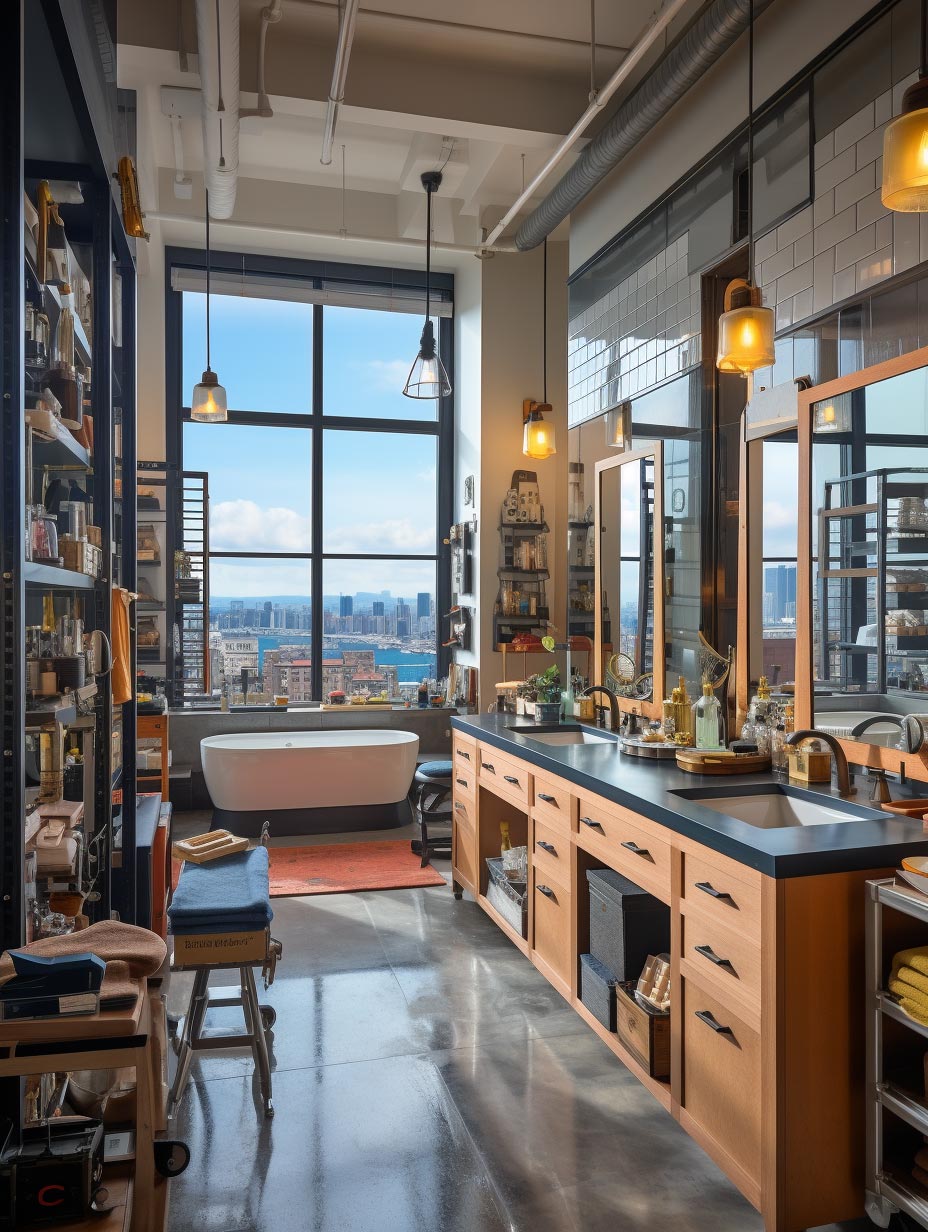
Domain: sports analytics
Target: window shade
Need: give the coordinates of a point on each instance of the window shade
(303, 291)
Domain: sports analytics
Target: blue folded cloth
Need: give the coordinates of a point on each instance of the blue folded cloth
(229, 895)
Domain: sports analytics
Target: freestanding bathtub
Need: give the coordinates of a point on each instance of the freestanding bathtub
(310, 782)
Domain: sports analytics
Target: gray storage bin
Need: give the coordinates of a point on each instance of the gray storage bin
(510, 898)
(626, 923)
(597, 990)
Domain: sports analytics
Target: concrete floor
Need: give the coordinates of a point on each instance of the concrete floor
(428, 1079)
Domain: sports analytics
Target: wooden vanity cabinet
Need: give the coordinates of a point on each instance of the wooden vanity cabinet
(767, 1056)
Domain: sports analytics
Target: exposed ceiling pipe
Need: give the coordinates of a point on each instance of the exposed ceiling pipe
(652, 33)
(269, 17)
(218, 56)
(346, 25)
(705, 42)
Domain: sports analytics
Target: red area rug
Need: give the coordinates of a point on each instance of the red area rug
(340, 868)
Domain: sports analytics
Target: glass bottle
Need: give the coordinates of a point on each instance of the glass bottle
(778, 749)
(709, 727)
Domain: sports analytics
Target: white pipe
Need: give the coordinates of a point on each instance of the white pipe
(652, 33)
(218, 55)
(269, 16)
(339, 76)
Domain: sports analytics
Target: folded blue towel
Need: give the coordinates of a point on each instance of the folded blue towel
(229, 895)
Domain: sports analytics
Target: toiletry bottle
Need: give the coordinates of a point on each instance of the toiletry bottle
(505, 842)
(707, 720)
(778, 749)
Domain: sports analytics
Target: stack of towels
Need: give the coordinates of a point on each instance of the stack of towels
(228, 895)
(909, 982)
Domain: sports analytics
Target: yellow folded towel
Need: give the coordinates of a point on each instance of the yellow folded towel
(914, 1003)
(916, 958)
(916, 985)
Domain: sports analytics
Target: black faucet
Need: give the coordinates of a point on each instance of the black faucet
(615, 715)
(910, 726)
(845, 790)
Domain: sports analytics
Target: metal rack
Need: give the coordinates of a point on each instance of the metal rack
(887, 1192)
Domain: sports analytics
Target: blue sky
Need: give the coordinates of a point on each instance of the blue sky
(379, 489)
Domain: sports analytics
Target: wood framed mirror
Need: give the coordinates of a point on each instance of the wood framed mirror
(862, 582)
(629, 573)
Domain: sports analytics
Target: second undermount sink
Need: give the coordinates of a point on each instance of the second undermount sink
(562, 734)
(776, 807)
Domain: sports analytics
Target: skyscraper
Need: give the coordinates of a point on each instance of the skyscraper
(423, 605)
(345, 605)
(377, 607)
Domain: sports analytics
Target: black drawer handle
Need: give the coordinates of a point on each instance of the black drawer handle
(710, 1021)
(511, 778)
(639, 851)
(461, 782)
(461, 753)
(594, 825)
(708, 888)
(546, 891)
(485, 765)
(550, 847)
(547, 799)
(707, 952)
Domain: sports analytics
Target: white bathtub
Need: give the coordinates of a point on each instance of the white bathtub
(294, 774)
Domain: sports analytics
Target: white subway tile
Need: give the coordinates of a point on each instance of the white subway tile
(841, 167)
(796, 280)
(823, 268)
(845, 285)
(800, 224)
(869, 209)
(765, 246)
(784, 316)
(851, 131)
(883, 108)
(824, 150)
(802, 305)
(870, 148)
(835, 230)
(802, 249)
(855, 248)
(875, 268)
(823, 208)
(857, 186)
(778, 265)
(884, 232)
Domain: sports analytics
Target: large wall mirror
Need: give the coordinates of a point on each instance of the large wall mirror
(629, 575)
(862, 585)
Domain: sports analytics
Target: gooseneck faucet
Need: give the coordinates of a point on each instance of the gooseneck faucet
(911, 730)
(845, 790)
(615, 715)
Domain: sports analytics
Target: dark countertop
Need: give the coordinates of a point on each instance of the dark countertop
(879, 840)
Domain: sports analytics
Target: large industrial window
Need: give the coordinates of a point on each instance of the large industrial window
(329, 491)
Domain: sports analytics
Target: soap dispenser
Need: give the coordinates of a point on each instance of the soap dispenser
(708, 724)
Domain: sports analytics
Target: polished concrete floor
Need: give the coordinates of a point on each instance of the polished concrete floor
(428, 1079)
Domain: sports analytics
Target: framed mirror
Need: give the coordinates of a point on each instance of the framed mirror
(862, 584)
(629, 573)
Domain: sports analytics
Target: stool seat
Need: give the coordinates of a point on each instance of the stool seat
(432, 771)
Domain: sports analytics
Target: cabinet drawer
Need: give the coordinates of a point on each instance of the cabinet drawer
(727, 960)
(503, 775)
(630, 848)
(554, 803)
(713, 890)
(552, 923)
(465, 752)
(464, 779)
(721, 1076)
(464, 844)
(551, 853)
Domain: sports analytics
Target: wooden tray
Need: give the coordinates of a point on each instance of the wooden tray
(210, 846)
(694, 762)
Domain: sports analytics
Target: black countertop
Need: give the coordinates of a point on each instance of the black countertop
(878, 840)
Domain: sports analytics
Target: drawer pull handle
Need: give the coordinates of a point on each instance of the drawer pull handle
(594, 825)
(708, 888)
(546, 891)
(639, 851)
(461, 753)
(511, 778)
(461, 782)
(547, 799)
(485, 765)
(710, 1021)
(550, 847)
(707, 952)
(459, 807)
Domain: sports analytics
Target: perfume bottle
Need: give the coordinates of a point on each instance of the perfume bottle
(708, 725)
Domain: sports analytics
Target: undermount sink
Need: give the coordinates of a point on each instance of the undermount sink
(776, 807)
(559, 735)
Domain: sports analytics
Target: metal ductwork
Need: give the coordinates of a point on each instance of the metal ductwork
(705, 42)
(218, 56)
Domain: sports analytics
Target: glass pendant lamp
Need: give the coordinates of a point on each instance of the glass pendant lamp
(427, 376)
(538, 438)
(746, 327)
(905, 142)
(619, 426)
(208, 404)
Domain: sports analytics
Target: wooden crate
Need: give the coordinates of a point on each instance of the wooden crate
(645, 1033)
(80, 556)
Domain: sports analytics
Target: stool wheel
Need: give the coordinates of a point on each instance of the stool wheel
(171, 1156)
(268, 1016)
(459, 894)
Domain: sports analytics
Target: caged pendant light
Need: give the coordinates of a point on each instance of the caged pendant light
(208, 404)
(905, 142)
(538, 436)
(427, 376)
(746, 327)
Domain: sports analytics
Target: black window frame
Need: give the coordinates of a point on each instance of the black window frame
(317, 422)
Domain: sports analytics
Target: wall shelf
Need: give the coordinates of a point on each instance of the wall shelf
(37, 574)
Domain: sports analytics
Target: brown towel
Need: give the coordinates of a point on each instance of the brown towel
(129, 954)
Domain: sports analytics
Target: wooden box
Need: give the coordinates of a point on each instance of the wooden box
(80, 556)
(808, 766)
(218, 949)
(644, 1032)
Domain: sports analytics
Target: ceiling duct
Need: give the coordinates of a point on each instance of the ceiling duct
(218, 56)
(705, 42)
(346, 25)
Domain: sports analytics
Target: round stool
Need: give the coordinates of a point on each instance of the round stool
(432, 786)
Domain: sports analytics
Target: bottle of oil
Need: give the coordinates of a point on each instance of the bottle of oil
(505, 842)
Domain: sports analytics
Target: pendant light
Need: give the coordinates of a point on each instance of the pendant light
(208, 404)
(746, 328)
(538, 439)
(619, 426)
(905, 142)
(427, 376)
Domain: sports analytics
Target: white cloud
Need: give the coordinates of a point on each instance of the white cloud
(398, 535)
(242, 526)
(388, 375)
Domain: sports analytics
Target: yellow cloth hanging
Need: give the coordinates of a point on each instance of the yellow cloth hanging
(121, 676)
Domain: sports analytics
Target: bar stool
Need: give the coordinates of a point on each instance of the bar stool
(432, 802)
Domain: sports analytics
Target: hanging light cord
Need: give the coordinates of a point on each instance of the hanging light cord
(544, 323)
(208, 368)
(751, 141)
(428, 250)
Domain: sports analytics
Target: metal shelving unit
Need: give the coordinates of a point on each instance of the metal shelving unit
(888, 1191)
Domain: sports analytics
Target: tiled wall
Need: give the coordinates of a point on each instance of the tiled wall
(638, 334)
(845, 242)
